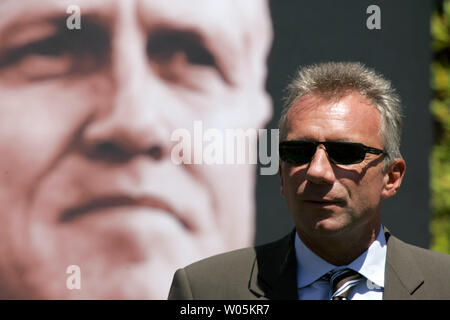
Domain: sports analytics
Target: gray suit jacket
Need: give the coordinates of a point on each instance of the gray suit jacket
(269, 272)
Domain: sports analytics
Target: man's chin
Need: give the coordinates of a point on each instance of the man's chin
(327, 227)
(132, 260)
(119, 282)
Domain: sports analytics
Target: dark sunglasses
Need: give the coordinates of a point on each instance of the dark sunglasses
(299, 152)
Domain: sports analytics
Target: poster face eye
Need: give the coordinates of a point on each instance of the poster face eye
(50, 50)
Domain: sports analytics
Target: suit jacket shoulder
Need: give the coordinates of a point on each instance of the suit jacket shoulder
(223, 276)
(415, 273)
(265, 271)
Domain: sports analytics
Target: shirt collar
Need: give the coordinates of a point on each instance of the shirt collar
(370, 263)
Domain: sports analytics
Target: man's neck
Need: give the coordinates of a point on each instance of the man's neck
(341, 249)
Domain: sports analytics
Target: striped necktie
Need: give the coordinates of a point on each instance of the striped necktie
(342, 281)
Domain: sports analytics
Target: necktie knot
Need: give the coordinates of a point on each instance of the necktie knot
(342, 282)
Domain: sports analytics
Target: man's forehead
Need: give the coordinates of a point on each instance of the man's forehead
(229, 15)
(241, 28)
(333, 105)
(352, 108)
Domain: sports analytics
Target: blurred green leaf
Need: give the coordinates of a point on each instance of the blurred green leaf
(439, 31)
(440, 109)
(441, 229)
(446, 7)
(440, 78)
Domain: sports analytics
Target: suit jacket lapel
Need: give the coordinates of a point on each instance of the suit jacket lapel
(402, 276)
(274, 274)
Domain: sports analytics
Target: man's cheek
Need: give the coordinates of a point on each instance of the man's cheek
(36, 130)
(26, 158)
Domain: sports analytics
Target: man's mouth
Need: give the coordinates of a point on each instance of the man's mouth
(117, 202)
(324, 202)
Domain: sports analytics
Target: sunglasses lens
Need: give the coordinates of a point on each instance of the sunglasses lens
(297, 153)
(346, 153)
(301, 152)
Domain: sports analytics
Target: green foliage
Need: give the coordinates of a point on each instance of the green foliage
(440, 109)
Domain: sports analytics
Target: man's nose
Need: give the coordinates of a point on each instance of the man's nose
(133, 120)
(320, 170)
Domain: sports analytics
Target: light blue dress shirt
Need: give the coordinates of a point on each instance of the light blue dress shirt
(370, 264)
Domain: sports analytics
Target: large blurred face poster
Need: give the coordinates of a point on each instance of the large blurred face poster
(106, 112)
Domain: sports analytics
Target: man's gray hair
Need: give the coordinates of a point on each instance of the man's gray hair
(335, 80)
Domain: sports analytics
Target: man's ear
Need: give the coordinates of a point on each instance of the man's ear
(393, 177)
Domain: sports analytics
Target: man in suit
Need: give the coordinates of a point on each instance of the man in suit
(339, 145)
